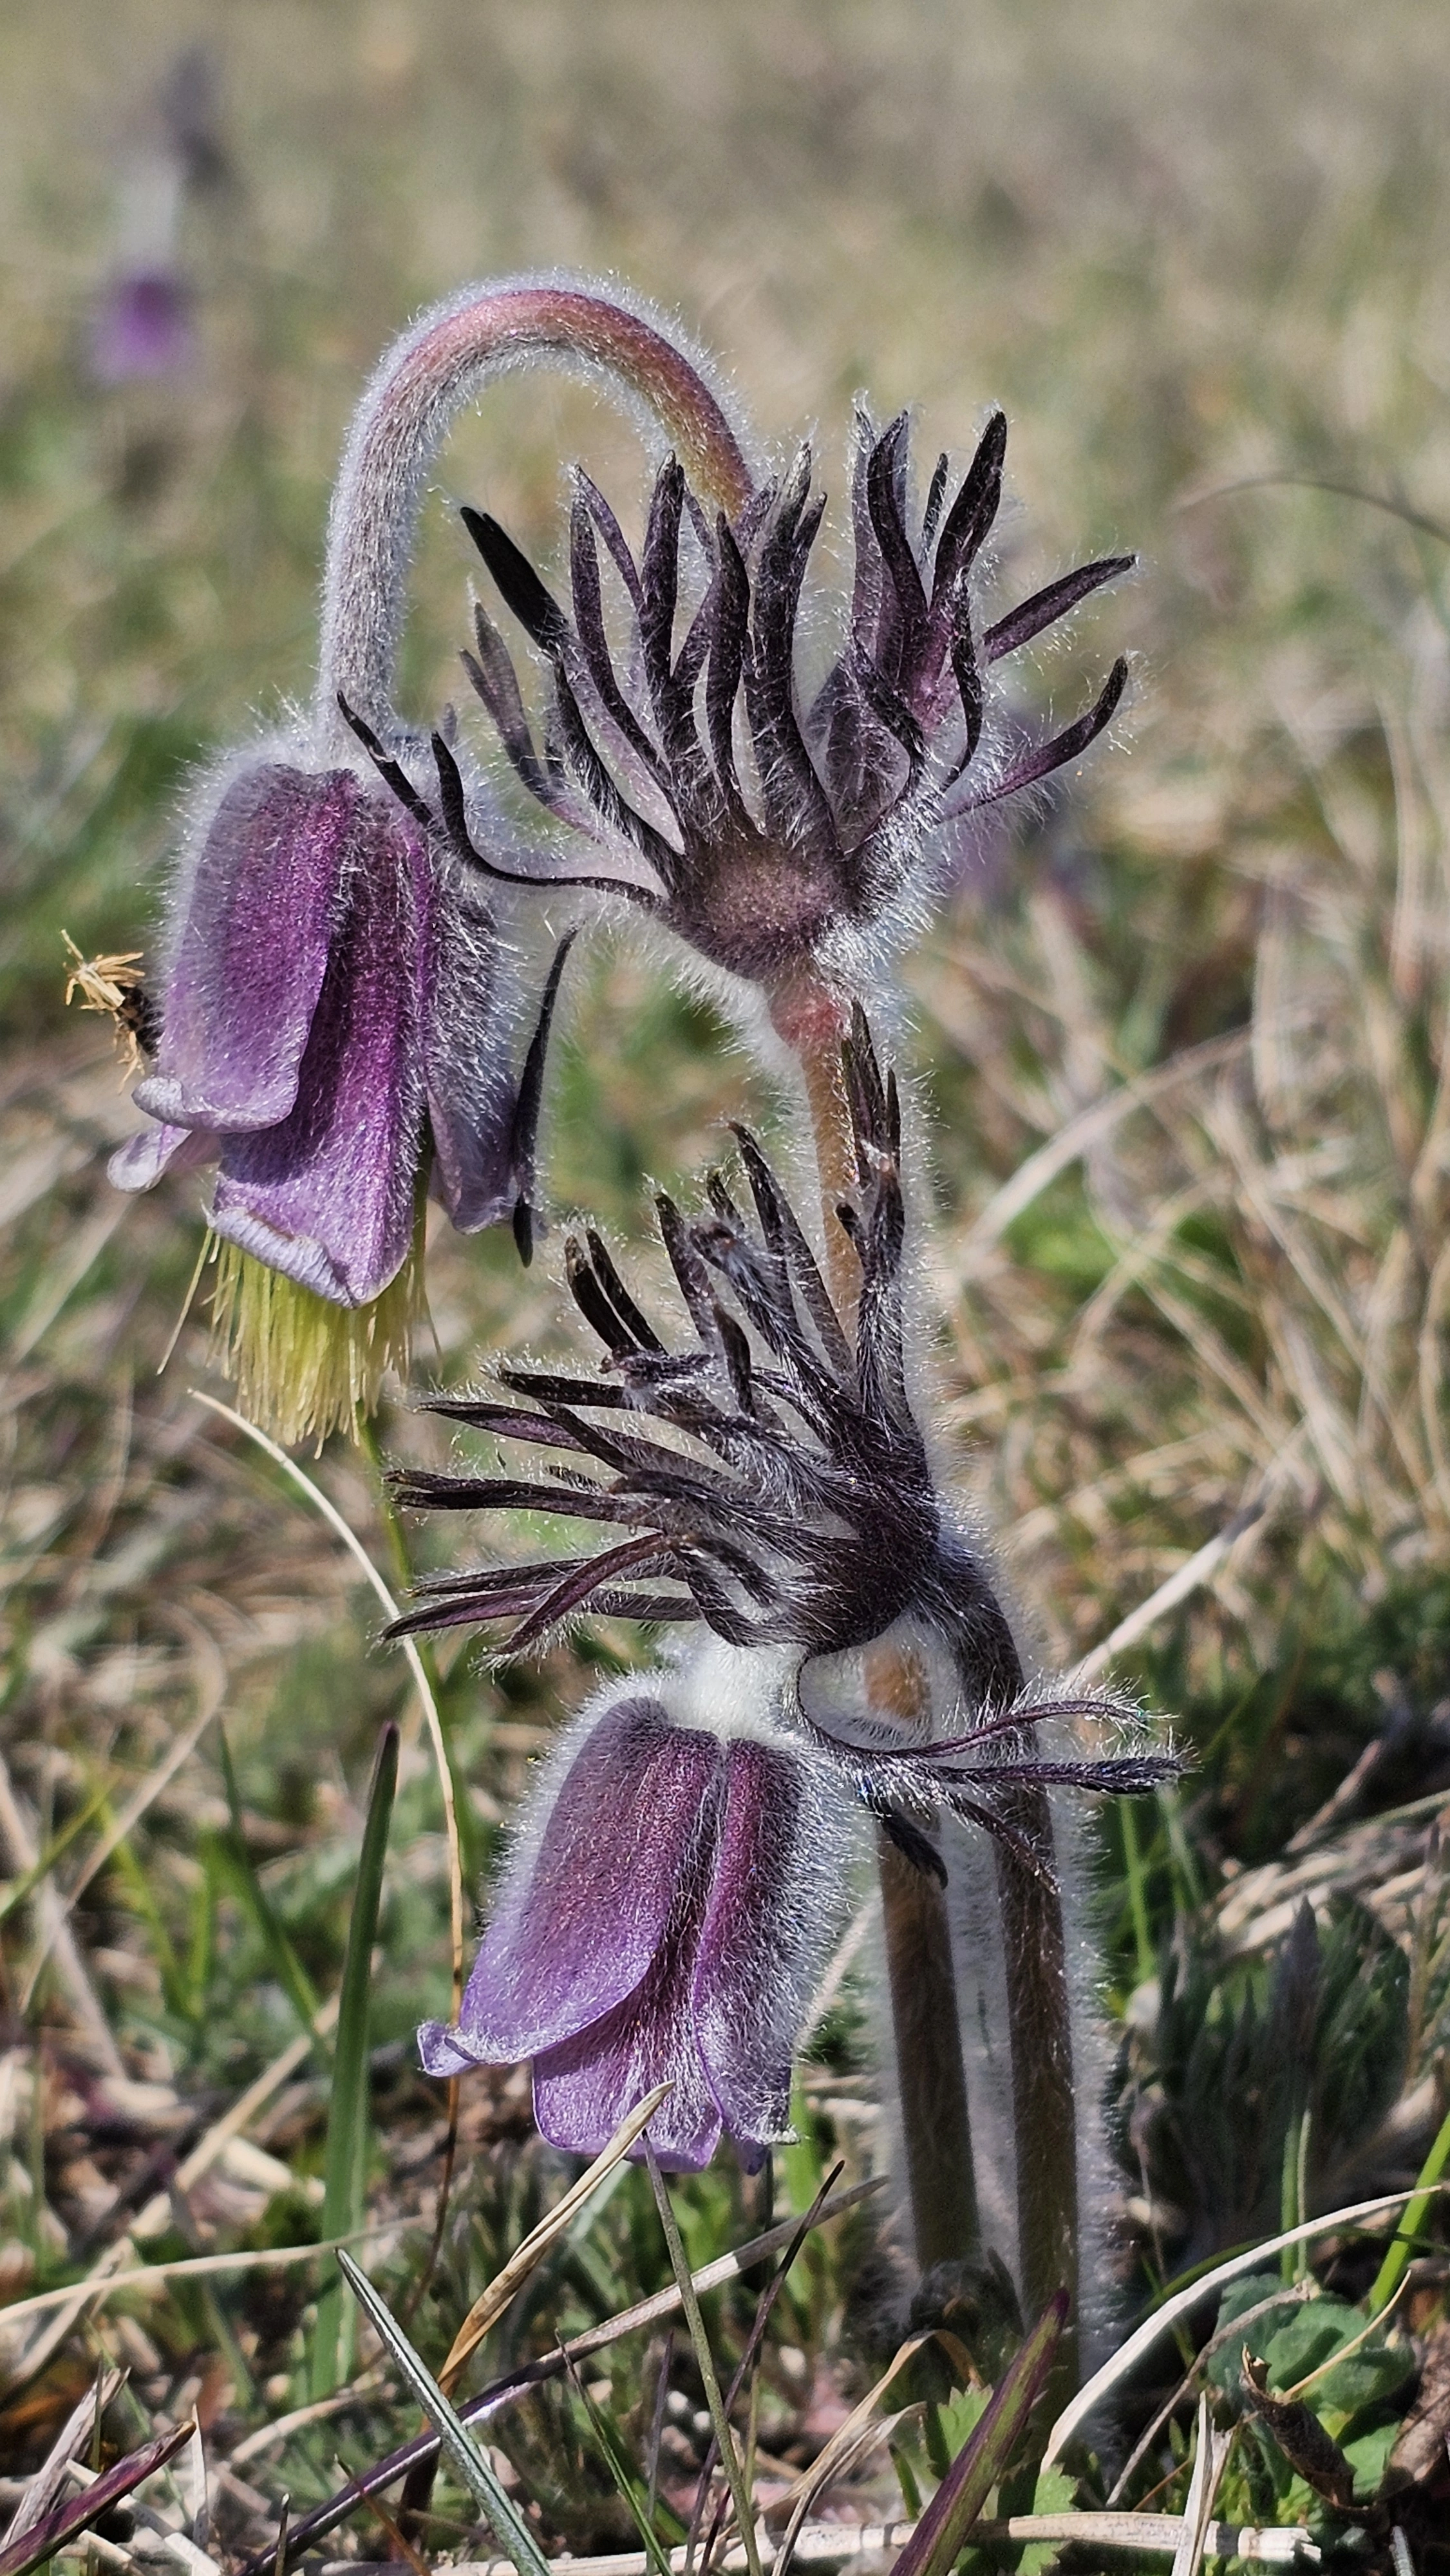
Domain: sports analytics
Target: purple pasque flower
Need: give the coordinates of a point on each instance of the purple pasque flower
(664, 1915)
(336, 1012)
(790, 1503)
(334, 1016)
(782, 839)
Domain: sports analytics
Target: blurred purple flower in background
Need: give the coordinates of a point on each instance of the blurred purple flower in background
(664, 1916)
(142, 327)
(143, 323)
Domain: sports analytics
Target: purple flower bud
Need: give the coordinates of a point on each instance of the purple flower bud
(665, 1914)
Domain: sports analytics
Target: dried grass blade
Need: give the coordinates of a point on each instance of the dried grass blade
(472, 2464)
(50, 2478)
(45, 2538)
(489, 2307)
(831, 2544)
(1209, 2462)
(839, 2451)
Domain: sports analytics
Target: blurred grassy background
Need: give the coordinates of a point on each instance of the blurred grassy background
(1188, 244)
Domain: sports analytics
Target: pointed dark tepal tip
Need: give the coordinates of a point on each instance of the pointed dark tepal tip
(523, 1229)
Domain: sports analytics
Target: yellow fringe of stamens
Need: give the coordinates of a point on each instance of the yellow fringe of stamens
(303, 1367)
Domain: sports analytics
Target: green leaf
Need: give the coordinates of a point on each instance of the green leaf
(472, 2463)
(958, 2417)
(1238, 2298)
(1366, 2376)
(1369, 2457)
(1052, 2493)
(946, 2525)
(1308, 2338)
(346, 2162)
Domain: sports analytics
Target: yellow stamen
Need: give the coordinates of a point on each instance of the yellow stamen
(114, 986)
(302, 1366)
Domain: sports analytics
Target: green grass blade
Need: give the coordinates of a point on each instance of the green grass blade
(345, 2169)
(1402, 2244)
(984, 2457)
(724, 2439)
(627, 2486)
(30, 1879)
(472, 2463)
(241, 1874)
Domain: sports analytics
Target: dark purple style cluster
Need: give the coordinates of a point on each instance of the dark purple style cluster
(795, 1505)
(770, 838)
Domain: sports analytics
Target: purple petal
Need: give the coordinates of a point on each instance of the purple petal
(328, 1195)
(581, 1921)
(465, 1050)
(747, 1999)
(257, 921)
(584, 2088)
(140, 1162)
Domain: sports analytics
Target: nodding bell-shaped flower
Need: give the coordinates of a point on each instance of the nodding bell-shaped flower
(334, 1021)
(785, 840)
(789, 1505)
(665, 1914)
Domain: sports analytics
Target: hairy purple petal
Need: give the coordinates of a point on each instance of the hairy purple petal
(583, 2088)
(257, 921)
(140, 1162)
(327, 1195)
(466, 1070)
(580, 1924)
(747, 2005)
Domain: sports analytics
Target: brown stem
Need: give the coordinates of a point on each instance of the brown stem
(1039, 2015)
(930, 2074)
(925, 2023)
(931, 2080)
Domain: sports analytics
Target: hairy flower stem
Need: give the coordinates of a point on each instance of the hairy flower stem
(926, 2029)
(931, 2077)
(423, 382)
(936, 2132)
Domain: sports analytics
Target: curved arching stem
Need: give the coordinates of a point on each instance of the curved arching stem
(404, 415)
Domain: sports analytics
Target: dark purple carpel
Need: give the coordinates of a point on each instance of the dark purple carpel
(771, 831)
(656, 1929)
(331, 1019)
